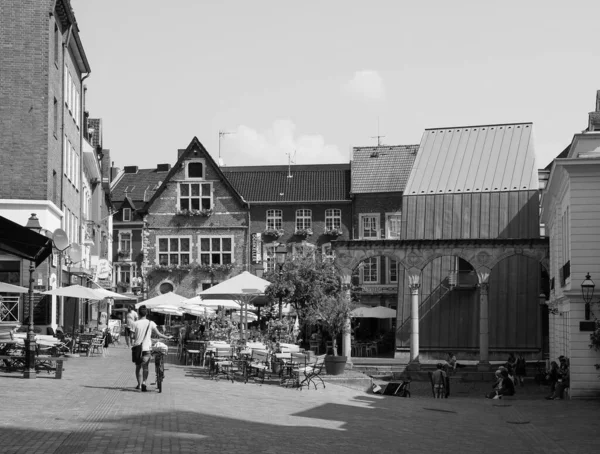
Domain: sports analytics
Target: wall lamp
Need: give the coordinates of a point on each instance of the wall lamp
(543, 302)
(587, 292)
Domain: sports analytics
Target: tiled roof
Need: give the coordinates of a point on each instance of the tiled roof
(138, 186)
(474, 159)
(309, 183)
(382, 168)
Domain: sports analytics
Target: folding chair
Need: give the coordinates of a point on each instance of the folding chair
(97, 345)
(258, 364)
(222, 363)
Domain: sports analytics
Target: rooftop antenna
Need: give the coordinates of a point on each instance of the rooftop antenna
(378, 136)
(290, 162)
(222, 134)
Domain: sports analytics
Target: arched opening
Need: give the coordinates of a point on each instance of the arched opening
(516, 322)
(448, 308)
(375, 280)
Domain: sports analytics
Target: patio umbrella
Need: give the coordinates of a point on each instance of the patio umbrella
(198, 311)
(75, 291)
(167, 310)
(9, 288)
(373, 312)
(172, 299)
(249, 316)
(113, 295)
(242, 289)
(205, 302)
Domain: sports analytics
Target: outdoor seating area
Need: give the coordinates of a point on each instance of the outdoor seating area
(284, 364)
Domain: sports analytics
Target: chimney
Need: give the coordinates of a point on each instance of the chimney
(163, 167)
(130, 169)
(594, 117)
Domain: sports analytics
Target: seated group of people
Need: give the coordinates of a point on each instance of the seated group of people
(558, 377)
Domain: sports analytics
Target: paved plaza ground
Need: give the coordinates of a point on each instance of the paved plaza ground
(95, 409)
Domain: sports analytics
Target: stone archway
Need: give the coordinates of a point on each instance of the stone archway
(414, 255)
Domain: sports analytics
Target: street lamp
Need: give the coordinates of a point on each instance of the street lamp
(33, 224)
(587, 292)
(280, 254)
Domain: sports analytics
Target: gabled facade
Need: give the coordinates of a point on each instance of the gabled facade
(570, 212)
(195, 230)
(303, 207)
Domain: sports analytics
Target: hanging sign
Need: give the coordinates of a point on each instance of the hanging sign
(256, 248)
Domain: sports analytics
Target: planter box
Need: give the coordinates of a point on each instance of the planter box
(335, 365)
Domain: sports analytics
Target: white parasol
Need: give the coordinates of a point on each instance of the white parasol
(171, 299)
(9, 288)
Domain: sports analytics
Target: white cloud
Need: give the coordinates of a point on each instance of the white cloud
(366, 84)
(248, 146)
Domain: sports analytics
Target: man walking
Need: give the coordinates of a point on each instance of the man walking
(132, 317)
(142, 335)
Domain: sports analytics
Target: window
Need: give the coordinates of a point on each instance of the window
(393, 224)
(370, 270)
(333, 219)
(165, 287)
(174, 251)
(125, 243)
(195, 169)
(270, 259)
(55, 117)
(216, 250)
(392, 271)
(56, 43)
(303, 219)
(125, 275)
(274, 219)
(126, 214)
(369, 226)
(195, 196)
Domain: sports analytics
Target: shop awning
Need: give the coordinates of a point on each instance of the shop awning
(23, 242)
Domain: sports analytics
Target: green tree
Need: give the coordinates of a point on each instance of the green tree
(305, 280)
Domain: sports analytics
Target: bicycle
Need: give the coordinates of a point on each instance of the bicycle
(159, 350)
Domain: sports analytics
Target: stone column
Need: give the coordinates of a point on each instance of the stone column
(484, 329)
(413, 283)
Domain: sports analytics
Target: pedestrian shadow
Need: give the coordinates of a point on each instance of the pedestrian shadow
(114, 388)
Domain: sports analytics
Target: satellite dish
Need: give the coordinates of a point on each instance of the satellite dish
(60, 239)
(75, 253)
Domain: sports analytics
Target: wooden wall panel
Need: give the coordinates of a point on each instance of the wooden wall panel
(457, 215)
(514, 309)
(484, 210)
(409, 217)
(466, 216)
(429, 217)
(514, 212)
(448, 218)
(420, 218)
(494, 209)
(503, 214)
(439, 217)
(475, 215)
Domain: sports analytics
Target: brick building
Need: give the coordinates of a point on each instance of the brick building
(195, 227)
(301, 206)
(42, 133)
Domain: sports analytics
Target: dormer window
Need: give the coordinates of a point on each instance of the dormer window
(195, 170)
(126, 214)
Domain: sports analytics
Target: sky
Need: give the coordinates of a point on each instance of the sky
(307, 81)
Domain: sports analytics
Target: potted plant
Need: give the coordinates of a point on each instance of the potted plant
(303, 232)
(123, 253)
(333, 311)
(333, 232)
(273, 233)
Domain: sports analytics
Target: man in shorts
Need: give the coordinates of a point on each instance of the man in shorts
(132, 317)
(438, 380)
(142, 335)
